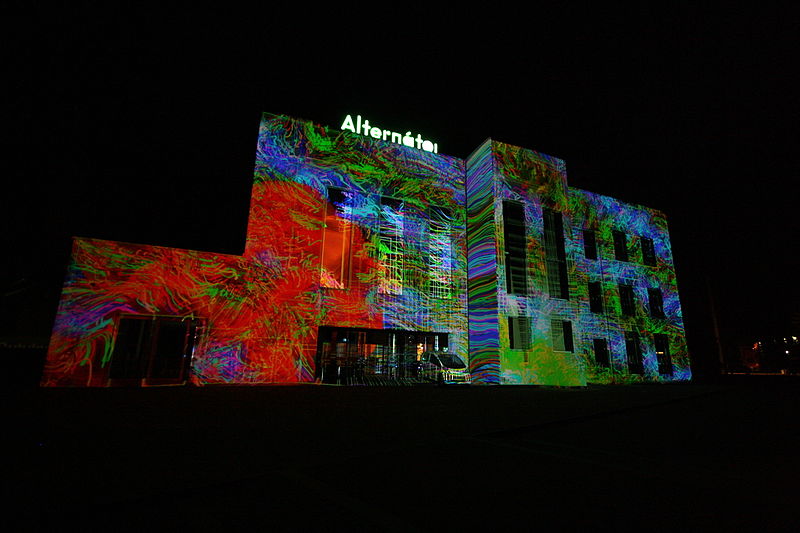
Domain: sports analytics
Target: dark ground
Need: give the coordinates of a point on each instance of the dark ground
(715, 457)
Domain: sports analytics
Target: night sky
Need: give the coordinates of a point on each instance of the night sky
(141, 127)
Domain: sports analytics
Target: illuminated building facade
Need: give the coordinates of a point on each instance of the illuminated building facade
(363, 256)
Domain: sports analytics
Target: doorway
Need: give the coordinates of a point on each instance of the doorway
(361, 356)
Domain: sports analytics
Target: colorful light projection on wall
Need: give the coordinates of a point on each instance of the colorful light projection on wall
(358, 250)
(343, 232)
(534, 324)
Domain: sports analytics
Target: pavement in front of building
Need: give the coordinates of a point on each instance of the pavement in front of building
(651, 457)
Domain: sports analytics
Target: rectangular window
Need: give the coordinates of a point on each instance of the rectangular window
(620, 246)
(337, 240)
(440, 264)
(601, 355)
(391, 239)
(648, 252)
(589, 244)
(153, 350)
(656, 303)
(561, 331)
(515, 248)
(663, 356)
(626, 300)
(634, 352)
(555, 255)
(595, 297)
(519, 332)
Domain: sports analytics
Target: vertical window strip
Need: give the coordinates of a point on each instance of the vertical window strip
(648, 252)
(555, 255)
(663, 356)
(656, 301)
(589, 244)
(601, 355)
(441, 253)
(519, 332)
(626, 300)
(561, 334)
(620, 246)
(634, 353)
(595, 297)
(514, 237)
(337, 240)
(391, 240)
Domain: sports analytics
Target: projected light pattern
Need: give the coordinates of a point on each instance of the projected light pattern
(548, 336)
(361, 255)
(603, 215)
(316, 255)
(483, 280)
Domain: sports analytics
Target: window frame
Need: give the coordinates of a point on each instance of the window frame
(519, 333)
(621, 246)
(587, 248)
(627, 305)
(565, 339)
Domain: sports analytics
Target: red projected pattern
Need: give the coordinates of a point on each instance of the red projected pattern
(258, 313)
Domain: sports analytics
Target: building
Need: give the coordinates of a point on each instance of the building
(363, 255)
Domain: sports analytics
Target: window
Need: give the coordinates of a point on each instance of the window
(595, 297)
(519, 332)
(656, 303)
(561, 331)
(337, 240)
(440, 262)
(620, 246)
(515, 248)
(626, 300)
(634, 352)
(391, 239)
(648, 252)
(661, 342)
(601, 356)
(555, 255)
(153, 350)
(589, 244)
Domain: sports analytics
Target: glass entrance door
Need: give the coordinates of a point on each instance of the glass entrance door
(349, 356)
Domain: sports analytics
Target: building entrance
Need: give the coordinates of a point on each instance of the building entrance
(360, 356)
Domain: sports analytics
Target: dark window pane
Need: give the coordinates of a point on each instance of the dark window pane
(170, 350)
(561, 333)
(620, 246)
(156, 349)
(515, 248)
(601, 357)
(648, 252)
(568, 342)
(626, 300)
(555, 255)
(656, 303)
(131, 349)
(663, 356)
(595, 297)
(634, 352)
(589, 244)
